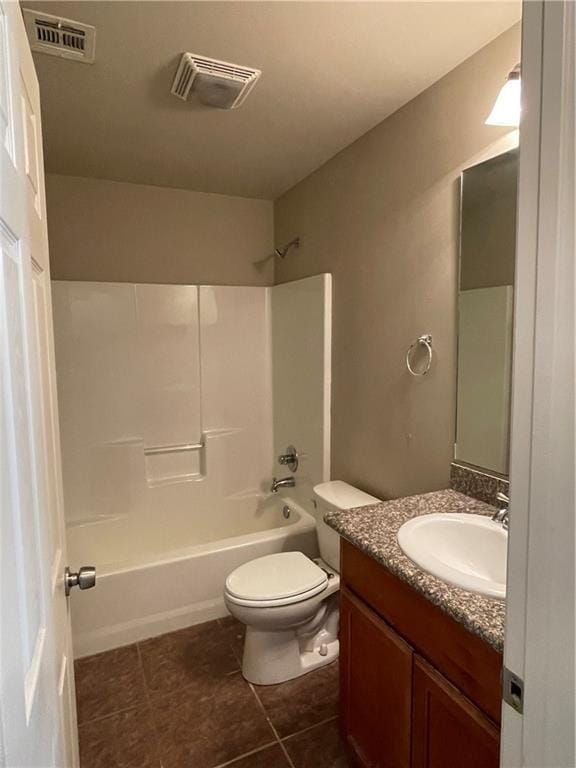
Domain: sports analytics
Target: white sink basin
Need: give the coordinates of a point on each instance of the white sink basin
(466, 550)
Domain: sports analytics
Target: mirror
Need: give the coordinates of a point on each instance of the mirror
(485, 312)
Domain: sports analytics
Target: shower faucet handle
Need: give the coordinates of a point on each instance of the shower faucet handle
(289, 459)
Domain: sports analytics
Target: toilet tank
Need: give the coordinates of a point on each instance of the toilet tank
(335, 495)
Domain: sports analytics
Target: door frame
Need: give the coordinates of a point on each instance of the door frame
(539, 643)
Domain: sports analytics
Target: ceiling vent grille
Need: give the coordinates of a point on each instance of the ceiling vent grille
(215, 83)
(60, 37)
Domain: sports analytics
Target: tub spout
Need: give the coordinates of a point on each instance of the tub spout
(284, 482)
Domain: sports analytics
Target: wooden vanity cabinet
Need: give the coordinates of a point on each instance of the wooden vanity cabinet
(417, 690)
(448, 730)
(375, 687)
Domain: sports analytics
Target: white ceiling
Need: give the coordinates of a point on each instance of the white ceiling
(331, 71)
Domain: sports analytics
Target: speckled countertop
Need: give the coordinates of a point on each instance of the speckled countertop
(373, 530)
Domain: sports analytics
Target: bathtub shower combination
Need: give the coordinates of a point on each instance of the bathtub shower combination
(174, 402)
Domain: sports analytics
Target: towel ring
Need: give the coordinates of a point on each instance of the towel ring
(425, 341)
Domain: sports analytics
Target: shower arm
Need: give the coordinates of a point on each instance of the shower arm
(279, 253)
(283, 252)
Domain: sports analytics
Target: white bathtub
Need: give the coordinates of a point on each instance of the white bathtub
(154, 579)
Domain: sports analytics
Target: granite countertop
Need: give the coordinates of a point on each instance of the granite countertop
(373, 530)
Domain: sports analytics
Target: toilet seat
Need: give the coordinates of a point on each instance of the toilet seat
(275, 580)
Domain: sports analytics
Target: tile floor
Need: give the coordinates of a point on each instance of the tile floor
(179, 701)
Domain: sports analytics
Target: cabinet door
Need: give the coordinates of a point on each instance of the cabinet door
(376, 687)
(448, 731)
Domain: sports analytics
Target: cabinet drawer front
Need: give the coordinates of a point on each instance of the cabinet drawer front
(448, 731)
(463, 658)
(376, 687)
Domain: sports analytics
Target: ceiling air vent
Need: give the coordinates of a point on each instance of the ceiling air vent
(215, 83)
(60, 37)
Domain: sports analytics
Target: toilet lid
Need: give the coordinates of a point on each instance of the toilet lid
(276, 577)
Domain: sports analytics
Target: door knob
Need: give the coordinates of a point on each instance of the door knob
(85, 578)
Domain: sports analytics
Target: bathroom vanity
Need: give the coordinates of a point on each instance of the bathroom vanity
(420, 660)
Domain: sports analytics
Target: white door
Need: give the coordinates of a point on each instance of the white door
(540, 620)
(37, 706)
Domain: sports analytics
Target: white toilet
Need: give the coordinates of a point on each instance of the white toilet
(289, 603)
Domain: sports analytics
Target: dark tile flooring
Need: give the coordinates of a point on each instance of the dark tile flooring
(180, 701)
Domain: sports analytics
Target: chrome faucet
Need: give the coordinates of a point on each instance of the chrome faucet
(501, 515)
(284, 482)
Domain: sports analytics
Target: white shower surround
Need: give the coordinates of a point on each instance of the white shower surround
(143, 366)
(164, 530)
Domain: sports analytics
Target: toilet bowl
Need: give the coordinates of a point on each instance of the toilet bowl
(289, 602)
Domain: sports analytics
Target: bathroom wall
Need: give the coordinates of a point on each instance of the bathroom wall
(301, 375)
(383, 217)
(111, 231)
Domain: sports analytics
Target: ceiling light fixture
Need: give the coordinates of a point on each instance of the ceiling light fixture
(506, 109)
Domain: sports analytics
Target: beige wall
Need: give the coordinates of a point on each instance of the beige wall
(112, 231)
(383, 217)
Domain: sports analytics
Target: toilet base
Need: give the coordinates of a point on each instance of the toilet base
(276, 656)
